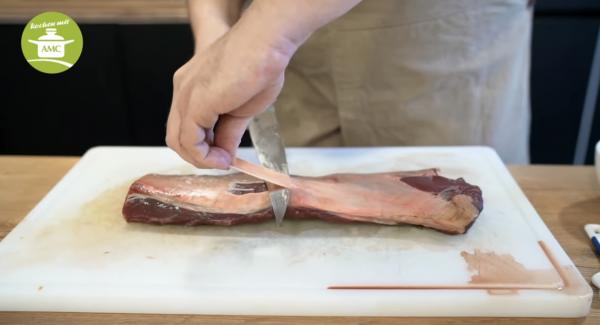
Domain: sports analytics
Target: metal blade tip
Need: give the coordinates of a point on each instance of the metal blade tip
(279, 200)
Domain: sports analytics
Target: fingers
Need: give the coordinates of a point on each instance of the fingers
(196, 133)
(195, 138)
(229, 132)
(231, 127)
(208, 90)
(210, 136)
(193, 141)
(192, 136)
(172, 137)
(261, 100)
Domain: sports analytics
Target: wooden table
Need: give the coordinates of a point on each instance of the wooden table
(566, 197)
(98, 11)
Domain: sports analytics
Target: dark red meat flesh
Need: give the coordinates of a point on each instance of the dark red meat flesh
(420, 198)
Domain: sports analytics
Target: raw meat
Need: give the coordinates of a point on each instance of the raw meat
(420, 198)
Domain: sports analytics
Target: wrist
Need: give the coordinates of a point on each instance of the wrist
(207, 32)
(277, 23)
(225, 11)
(264, 56)
(211, 19)
(284, 22)
(268, 33)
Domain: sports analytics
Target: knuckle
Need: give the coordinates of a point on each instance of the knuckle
(272, 64)
(189, 141)
(177, 76)
(182, 140)
(169, 142)
(200, 165)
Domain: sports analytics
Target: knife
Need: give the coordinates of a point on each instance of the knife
(264, 131)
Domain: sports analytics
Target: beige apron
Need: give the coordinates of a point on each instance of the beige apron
(414, 72)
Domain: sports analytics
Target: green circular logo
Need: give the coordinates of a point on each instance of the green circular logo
(51, 42)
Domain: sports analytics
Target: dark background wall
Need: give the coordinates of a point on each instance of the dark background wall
(119, 91)
(564, 38)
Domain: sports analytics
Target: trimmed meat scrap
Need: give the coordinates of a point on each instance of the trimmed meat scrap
(420, 198)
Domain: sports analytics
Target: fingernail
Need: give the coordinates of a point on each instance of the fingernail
(226, 161)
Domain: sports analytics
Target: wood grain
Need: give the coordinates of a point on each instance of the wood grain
(23, 183)
(566, 197)
(98, 11)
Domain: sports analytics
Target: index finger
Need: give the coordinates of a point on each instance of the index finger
(193, 141)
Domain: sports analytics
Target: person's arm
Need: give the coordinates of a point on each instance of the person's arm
(211, 19)
(281, 21)
(238, 76)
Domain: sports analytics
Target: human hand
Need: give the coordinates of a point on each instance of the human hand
(218, 91)
(237, 73)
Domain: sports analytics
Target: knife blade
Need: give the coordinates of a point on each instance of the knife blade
(264, 132)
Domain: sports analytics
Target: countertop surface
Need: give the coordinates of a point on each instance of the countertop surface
(174, 11)
(98, 11)
(566, 197)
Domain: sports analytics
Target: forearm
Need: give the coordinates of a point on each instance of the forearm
(211, 19)
(291, 21)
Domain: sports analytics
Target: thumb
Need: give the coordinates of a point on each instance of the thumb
(230, 127)
(229, 132)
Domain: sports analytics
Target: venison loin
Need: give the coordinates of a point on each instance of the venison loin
(419, 197)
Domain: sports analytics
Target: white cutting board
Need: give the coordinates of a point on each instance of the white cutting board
(74, 252)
